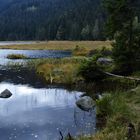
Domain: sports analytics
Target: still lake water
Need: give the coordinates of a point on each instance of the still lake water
(34, 113)
(3, 43)
(32, 54)
(40, 114)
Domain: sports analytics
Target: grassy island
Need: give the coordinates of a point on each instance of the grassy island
(17, 56)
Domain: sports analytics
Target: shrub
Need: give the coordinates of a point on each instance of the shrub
(91, 71)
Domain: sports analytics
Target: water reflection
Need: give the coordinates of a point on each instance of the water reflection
(5, 43)
(41, 113)
(32, 54)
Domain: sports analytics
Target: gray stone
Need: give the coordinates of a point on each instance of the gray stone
(5, 94)
(85, 103)
(104, 61)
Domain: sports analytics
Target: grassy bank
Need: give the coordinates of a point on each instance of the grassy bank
(59, 71)
(53, 71)
(119, 109)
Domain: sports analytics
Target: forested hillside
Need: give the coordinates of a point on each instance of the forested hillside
(51, 19)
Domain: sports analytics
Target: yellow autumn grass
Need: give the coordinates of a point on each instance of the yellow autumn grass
(60, 45)
(59, 73)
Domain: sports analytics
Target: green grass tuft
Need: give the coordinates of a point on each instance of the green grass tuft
(17, 56)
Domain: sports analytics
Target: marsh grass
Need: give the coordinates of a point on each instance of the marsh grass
(16, 56)
(64, 71)
(57, 71)
(60, 45)
(80, 51)
(120, 109)
(114, 105)
(34, 63)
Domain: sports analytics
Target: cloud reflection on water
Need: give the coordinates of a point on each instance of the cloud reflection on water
(42, 113)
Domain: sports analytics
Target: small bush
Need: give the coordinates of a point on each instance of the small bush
(91, 71)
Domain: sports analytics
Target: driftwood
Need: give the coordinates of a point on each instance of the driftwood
(125, 77)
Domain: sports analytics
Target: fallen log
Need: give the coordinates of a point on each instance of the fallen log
(120, 76)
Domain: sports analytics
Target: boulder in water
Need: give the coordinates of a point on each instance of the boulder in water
(5, 94)
(85, 103)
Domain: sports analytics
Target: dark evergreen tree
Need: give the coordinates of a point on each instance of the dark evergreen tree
(50, 19)
(121, 27)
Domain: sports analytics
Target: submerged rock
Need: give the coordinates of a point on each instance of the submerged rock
(104, 61)
(85, 103)
(5, 94)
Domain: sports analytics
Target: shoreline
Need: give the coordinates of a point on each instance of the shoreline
(63, 72)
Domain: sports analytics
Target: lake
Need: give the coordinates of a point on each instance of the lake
(33, 113)
(32, 54)
(36, 111)
(4, 43)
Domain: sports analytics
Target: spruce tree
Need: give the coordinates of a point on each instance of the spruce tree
(121, 28)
